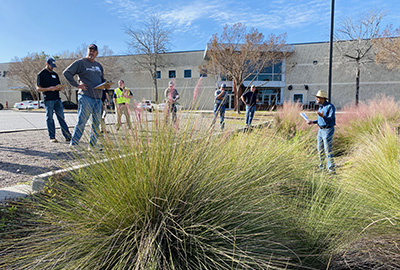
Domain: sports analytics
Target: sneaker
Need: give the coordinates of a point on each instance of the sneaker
(53, 140)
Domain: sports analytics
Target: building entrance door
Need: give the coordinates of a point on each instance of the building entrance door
(231, 101)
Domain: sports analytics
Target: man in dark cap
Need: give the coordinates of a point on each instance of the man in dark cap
(90, 74)
(48, 82)
(221, 96)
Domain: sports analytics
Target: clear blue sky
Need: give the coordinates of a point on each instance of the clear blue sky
(29, 26)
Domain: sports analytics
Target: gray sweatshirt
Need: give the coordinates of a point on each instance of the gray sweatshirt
(88, 73)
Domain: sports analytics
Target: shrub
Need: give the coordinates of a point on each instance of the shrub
(172, 200)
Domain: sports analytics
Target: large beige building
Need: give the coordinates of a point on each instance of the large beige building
(296, 78)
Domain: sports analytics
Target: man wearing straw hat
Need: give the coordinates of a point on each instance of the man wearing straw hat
(326, 122)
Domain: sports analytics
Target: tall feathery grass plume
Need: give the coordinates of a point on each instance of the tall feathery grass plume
(366, 118)
(169, 200)
(289, 123)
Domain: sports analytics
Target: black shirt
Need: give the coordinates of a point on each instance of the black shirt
(250, 98)
(45, 79)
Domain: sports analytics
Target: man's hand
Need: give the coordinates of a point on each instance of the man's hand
(83, 86)
(309, 122)
(59, 87)
(320, 114)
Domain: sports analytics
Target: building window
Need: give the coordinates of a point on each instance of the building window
(267, 96)
(270, 73)
(298, 98)
(172, 74)
(158, 75)
(187, 73)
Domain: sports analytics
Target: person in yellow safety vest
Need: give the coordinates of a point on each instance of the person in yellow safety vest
(121, 100)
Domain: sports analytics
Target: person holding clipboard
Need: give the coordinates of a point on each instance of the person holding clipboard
(90, 76)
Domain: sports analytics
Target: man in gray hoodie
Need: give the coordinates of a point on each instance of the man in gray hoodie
(90, 74)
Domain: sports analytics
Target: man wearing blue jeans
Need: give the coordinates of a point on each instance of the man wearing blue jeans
(90, 74)
(326, 122)
(250, 100)
(221, 96)
(48, 82)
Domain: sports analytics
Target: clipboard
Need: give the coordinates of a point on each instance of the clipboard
(104, 85)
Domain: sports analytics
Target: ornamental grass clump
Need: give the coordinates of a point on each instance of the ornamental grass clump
(289, 123)
(371, 184)
(366, 118)
(170, 199)
(375, 173)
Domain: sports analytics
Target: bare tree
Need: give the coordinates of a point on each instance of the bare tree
(354, 38)
(238, 54)
(24, 71)
(149, 42)
(112, 71)
(387, 48)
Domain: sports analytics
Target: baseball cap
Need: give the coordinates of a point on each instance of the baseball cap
(51, 62)
(92, 47)
(171, 83)
(223, 85)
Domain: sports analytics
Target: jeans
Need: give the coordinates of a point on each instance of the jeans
(55, 106)
(221, 109)
(171, 109)
(87, 106)
(250, 114)
(324, 147)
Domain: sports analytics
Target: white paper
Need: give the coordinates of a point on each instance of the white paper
(304, 116)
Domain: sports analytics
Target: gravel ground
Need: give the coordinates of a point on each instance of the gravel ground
(26, 154)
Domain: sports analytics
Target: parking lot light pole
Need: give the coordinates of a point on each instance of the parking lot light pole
(331, 52)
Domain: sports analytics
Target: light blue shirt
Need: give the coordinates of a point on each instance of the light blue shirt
(329, 119)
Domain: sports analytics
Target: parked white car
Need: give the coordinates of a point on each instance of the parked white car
(148, 105)
(22, 104)
(36, 104)
(162, 106)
